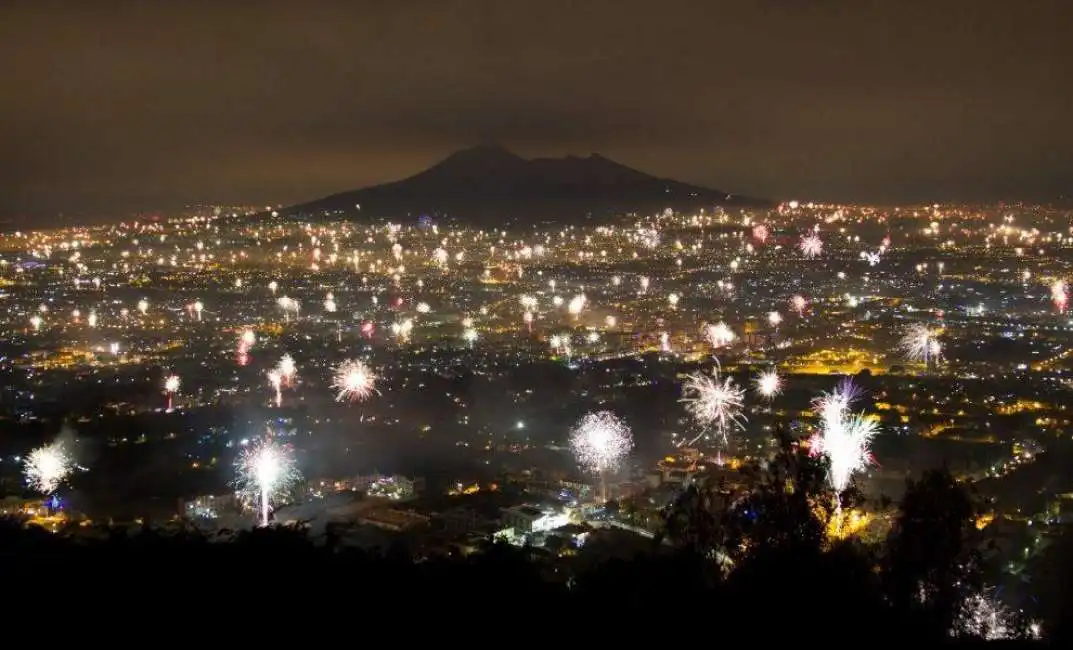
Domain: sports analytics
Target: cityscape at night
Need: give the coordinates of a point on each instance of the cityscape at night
(574, 379)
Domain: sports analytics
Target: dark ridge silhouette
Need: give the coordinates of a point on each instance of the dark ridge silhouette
(488, 184)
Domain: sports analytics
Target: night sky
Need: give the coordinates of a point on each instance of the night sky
(112, 107)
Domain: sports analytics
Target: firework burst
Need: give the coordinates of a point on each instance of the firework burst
(844, 437)
(354, 381)
(600, 441)
(265, 472)
(811, 245)
(921, 344)
(715, 403)
(719, 335)
(47, 467)
(172, 383)
(1059, 295)
(287, 368)
(983, 616)
(769, 384)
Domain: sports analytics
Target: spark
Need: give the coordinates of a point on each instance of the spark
(769, 384)
(265, 471)
(844, 437)
(47, 467)
(714, 402)
(600, 441)
(354, 381)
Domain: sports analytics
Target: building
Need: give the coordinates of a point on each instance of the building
(392, 519)
(524, 520)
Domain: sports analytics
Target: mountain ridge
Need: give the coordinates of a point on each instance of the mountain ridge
(491, 185)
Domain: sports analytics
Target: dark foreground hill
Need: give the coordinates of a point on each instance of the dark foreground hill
(760, 567)
(490, 185)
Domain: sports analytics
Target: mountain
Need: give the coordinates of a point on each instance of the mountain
(491, 185)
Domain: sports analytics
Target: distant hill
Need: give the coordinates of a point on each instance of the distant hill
(491, 185)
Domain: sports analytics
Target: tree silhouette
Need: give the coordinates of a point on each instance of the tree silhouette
(931, 564)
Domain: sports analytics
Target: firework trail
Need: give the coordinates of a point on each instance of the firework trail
(47, 467)
(714, 402)
(265, 471)
(844, 437)
(354, 381)
(275, 379)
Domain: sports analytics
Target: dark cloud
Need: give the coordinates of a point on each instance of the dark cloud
(117, 105)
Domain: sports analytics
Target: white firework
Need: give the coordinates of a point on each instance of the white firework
(921, 344)
(287, 368)
(172, 384)
(811, 245)
(983, 616)
(719, 334)
(439, 257)
(1059, 294)
(600, 441)
(275, 379)
(289, 306)
(265, 472)
(769, 384)
(47, 467)
(715, 403)
(576, 305)
(844, 437)
(354, 381)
